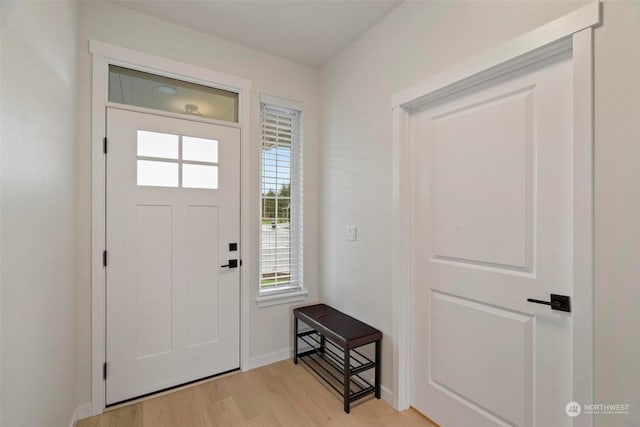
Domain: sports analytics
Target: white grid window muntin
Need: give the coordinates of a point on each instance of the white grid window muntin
(171, 160)
(281, 200)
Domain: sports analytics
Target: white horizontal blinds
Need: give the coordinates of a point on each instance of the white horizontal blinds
(280, 230)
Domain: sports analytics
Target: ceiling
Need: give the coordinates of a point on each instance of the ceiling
(309, 32)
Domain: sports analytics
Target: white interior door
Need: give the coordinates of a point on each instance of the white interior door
(173, 189)
(492, 217)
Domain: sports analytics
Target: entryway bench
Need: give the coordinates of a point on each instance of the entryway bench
(330, 350)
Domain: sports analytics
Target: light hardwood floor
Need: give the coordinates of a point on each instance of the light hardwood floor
(282, 394)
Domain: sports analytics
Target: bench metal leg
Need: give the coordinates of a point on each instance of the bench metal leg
(295, 340)
(322, 344)
(347, 378)
(377, 369)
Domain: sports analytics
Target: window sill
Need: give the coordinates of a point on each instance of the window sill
(266, 300)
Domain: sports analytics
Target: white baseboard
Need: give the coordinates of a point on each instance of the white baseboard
(74, 417)
(81, 412)
(386, 395)
(268, 359)
(287, 353)
(85, 411)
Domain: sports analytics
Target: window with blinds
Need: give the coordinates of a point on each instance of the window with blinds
(281, 200)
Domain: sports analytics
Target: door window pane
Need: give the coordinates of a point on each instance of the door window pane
(187, 161)
(157, 174)
(199, 149)
(199, 176)
(156, 144)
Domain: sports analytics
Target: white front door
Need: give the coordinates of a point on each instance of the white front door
(492, 174)
(173, 191)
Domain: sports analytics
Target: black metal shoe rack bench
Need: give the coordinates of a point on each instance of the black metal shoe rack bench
(332, 352)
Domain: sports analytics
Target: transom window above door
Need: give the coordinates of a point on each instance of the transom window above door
(146, 90)
(170, 160)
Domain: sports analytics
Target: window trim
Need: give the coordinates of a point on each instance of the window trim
(293, 295)
(296, 292)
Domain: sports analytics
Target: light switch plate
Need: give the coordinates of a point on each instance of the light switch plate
(352, 232)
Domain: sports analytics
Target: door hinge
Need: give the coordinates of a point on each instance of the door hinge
(104, 258)
(104, 145)
(104, 371)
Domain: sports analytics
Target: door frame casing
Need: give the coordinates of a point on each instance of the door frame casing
(572, 32)
(104, 54)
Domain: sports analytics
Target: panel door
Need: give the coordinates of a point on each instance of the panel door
(492, 175)
(173, 190)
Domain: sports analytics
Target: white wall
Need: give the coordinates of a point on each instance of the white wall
(420, 39)
(617, 215)
(38, 101)
(414, 41)
(270, 326)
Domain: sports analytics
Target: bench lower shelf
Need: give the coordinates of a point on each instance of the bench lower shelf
(327, 361)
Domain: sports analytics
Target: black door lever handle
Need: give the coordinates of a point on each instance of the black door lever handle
(233, 263)
(558, 302)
